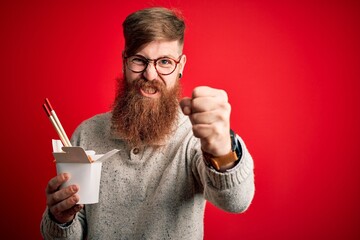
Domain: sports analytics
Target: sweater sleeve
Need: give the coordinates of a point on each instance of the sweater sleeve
(77, 229)
(230, 191)
(52, 230)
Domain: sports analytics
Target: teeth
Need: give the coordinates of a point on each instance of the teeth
(149, 90)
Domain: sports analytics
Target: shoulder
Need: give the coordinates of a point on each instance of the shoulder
(98, 125)
(98, 120)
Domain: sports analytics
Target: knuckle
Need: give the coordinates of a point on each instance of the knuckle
(54, 198)
(222, 117)
(54, 183)
(196, 131)
(50, 186)
(194, 118)
(47, 190)
(201, 130)
(197, 91)
(55, 210)
(58, 179)
(215, 130)
(195, 102)
(71, 211)
(49, 201)
(70, 190)
(73, 199)
(224, 94)
(225, 109)
(228, 107)
(63, 177)
(225, 104)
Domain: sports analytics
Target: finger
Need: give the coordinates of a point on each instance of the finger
(205, 104)
(208, 117)
(61, 194)
(56, 182)
(204, 91)
(63, 206)
(72, 211)
(67, 215)
(185, 105)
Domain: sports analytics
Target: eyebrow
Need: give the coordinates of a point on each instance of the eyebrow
(162, 56)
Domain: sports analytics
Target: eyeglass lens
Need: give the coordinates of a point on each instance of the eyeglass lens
(163, 65)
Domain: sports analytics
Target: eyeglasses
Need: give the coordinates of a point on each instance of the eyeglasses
(163, 65)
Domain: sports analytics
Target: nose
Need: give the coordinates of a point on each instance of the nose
(150, 72)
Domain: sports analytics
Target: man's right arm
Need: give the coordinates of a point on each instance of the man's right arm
(63, 217)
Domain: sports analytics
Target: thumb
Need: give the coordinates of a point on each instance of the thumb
(185, 105)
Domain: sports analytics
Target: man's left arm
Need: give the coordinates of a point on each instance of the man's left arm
(228, 177)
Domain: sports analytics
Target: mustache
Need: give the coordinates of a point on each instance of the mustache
(143, 83)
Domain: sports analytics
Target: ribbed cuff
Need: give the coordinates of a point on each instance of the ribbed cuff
(56, 230)
(234, 176)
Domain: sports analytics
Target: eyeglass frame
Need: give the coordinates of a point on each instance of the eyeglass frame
(148, 60)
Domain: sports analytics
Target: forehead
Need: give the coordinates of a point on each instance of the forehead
(160, 48)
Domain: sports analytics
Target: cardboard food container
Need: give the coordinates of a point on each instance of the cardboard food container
(84, 168)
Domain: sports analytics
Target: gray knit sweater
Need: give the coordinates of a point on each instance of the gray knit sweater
(152, 193)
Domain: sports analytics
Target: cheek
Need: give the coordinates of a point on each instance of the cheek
(171, 80)
(130, 76)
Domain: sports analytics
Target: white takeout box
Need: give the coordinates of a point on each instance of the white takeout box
(83, 172)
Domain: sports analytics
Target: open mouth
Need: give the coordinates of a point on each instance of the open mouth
(149, 91)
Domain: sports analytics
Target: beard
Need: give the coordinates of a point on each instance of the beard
(143, 121)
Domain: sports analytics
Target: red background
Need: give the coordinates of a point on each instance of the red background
(291, 71)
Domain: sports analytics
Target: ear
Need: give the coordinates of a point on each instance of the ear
(182, 63)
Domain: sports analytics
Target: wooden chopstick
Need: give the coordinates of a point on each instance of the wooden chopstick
(56, 123)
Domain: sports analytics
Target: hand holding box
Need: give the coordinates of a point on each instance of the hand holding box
(84, 168)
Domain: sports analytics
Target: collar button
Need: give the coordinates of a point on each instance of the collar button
(136, 151)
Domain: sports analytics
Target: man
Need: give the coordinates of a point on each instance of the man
(172, 158)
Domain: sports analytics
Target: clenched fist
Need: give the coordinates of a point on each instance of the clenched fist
(209, 113)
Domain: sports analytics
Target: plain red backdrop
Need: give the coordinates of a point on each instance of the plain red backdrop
(291, 71)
